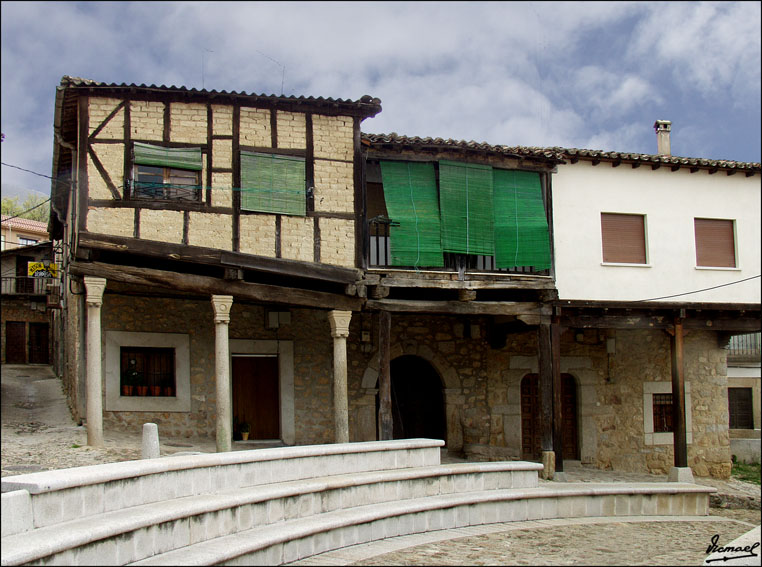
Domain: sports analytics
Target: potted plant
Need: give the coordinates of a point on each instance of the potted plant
(245, 430)
(155, 389)
(130, 379)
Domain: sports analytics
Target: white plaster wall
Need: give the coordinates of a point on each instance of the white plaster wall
(670, 200)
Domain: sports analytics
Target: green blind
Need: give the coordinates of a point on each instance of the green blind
(272, 184)
(180, 158)
(410, 192)
(465, 197)
(521, 227)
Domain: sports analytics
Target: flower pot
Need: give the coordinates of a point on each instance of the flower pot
(142, 390)
(127, 390)
(155, 390)
(245, 436)
(169, 391)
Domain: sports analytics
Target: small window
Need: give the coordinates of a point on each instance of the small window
(740, 408)
(715, 243)
(147, 371)
(624, 238)
(168, 183)
(663, 413)
(273, 183)
(27, 241)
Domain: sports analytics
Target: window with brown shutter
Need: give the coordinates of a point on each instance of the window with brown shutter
(715, 243)
(624, 238)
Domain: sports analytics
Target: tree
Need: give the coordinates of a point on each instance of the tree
(33, 207)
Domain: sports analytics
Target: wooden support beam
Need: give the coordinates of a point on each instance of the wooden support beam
(678, 395)
(460, 307)
(544, 356)
(555, 364)
(213, 286)
(385, 421)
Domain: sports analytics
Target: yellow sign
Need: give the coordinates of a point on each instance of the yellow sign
(38, 270)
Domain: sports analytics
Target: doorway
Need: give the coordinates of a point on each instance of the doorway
(531, 424)
(15, 342)
(256, 396)
(417, 399)
(39, 343)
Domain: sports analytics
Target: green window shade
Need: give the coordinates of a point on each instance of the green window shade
(521, 227)
(465, 197)
(410, 191)
(179, 158)
(273, 184)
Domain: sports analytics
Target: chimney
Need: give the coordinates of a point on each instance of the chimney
(662, 128)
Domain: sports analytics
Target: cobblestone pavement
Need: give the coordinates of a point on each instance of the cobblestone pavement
(39, 434)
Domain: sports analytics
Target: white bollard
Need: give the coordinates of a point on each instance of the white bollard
(150, 448)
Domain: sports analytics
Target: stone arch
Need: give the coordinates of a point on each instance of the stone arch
(452, 389)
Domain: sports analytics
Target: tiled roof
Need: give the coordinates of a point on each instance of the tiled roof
(562, 154)
(371, 104)
(25, 224)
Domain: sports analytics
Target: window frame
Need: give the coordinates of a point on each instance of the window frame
(701, 244)
(305, 192)
(137, 376)
(606, 259)
(167, 175)
(652, 437)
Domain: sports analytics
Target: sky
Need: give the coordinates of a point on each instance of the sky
(571, 74)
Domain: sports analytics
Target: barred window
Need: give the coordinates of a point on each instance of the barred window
(147, 371)
(663, 413)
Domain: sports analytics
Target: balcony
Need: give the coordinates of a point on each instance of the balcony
(379, 257)
(744, 348)
(31, 286)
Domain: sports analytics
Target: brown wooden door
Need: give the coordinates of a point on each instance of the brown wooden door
(15, 342)
(531, 433)
(256, 399)
(39, 343)
(24, 284)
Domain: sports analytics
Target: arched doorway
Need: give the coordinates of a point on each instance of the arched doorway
(531, 436)
(417, 399)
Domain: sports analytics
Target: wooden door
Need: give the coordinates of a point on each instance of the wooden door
(24, 284)
(256, 398)
(15, 342)
(39, 343)
(531, 433)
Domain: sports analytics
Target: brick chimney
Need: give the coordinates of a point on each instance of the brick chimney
(663, 128)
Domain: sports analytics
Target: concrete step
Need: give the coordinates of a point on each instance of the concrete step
(296, 539)
(136, 532)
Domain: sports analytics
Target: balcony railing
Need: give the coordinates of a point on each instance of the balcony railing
(380, 256)
(744, 348)
(30, 286)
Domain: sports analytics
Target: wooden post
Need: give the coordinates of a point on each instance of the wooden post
(555, 363)
(678, 395)
(385, 422)
(544, 356)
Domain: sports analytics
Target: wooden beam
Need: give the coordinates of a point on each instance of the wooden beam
(545, 385)
(490, 282)
(213, 286)
(555, 366)
(460, 307)
(678, 395)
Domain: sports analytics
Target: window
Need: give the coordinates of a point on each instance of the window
(715, 243)
(27, 241)
(273, 183)
(663, 413)
(740, 408)
(167, 173)
(624, 238)
(147, 371)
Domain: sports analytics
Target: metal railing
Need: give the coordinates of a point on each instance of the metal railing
(380, 256)
(744, 348)
(22, 285)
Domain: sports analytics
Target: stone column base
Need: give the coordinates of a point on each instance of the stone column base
(680, 474)
(549, 465)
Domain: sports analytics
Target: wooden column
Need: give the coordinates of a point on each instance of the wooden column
(385, 422)
(545, 357)
(555, 363)
(678, 395)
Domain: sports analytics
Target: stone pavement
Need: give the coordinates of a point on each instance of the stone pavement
(39, 434)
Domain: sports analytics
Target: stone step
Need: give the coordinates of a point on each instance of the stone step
(296, 539)
(136, 532)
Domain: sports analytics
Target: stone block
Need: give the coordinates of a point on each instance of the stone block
(16, 512)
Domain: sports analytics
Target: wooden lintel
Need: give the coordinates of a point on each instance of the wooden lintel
(494, 282)
(208, 285)
(459, 307)
(614, 322)
(296, 268)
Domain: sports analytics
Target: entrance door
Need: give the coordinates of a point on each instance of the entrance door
(15, 342)
(24, 284)
(39, 345)
(531, 432)
(256, 399)
(417, 399)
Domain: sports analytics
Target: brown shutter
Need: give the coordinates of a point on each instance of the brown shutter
(715, 243)
(624, 238)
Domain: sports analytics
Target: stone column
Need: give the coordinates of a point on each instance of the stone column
(339, 321)
(221, 305)
(94, 385)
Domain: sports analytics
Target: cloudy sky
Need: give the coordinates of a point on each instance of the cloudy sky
(571, 74)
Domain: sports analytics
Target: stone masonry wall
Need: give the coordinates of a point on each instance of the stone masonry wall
(146, 120)
(165, 226)
(119, 222)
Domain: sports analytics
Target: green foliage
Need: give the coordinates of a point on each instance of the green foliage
(746, 472)
(11, 206)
